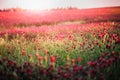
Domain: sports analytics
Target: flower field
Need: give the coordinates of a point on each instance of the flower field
(81, 49)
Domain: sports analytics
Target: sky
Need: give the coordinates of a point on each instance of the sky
(50, 4)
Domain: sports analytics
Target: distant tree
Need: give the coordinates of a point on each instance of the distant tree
(17, 9)
(70, 8)
(12, 10)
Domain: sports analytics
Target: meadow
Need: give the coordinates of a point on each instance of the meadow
(60, 45)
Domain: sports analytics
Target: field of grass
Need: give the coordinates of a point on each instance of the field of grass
(63, 48)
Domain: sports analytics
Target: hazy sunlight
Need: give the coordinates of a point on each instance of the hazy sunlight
(50, 4)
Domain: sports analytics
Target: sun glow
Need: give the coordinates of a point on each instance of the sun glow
(36, 4)
(50, 4)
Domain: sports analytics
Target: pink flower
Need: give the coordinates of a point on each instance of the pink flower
(52, 59)
(23, 52)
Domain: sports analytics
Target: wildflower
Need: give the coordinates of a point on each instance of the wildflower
(65, 75)
(29, 71)
(19, 42)
(23, 52)
(100, 36)
(37, 55)
(108, 46)
(89, 63)
(14, 63)
(76, 68)
(102, 78)
(46, 51)
(29, 55)
(73, 61)
(92, 73)
(53, 60)
(104, 54)
(40, 58)
(79, 59)
(80, 67)
(113, 52)
(45, 58)
(74, 46)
